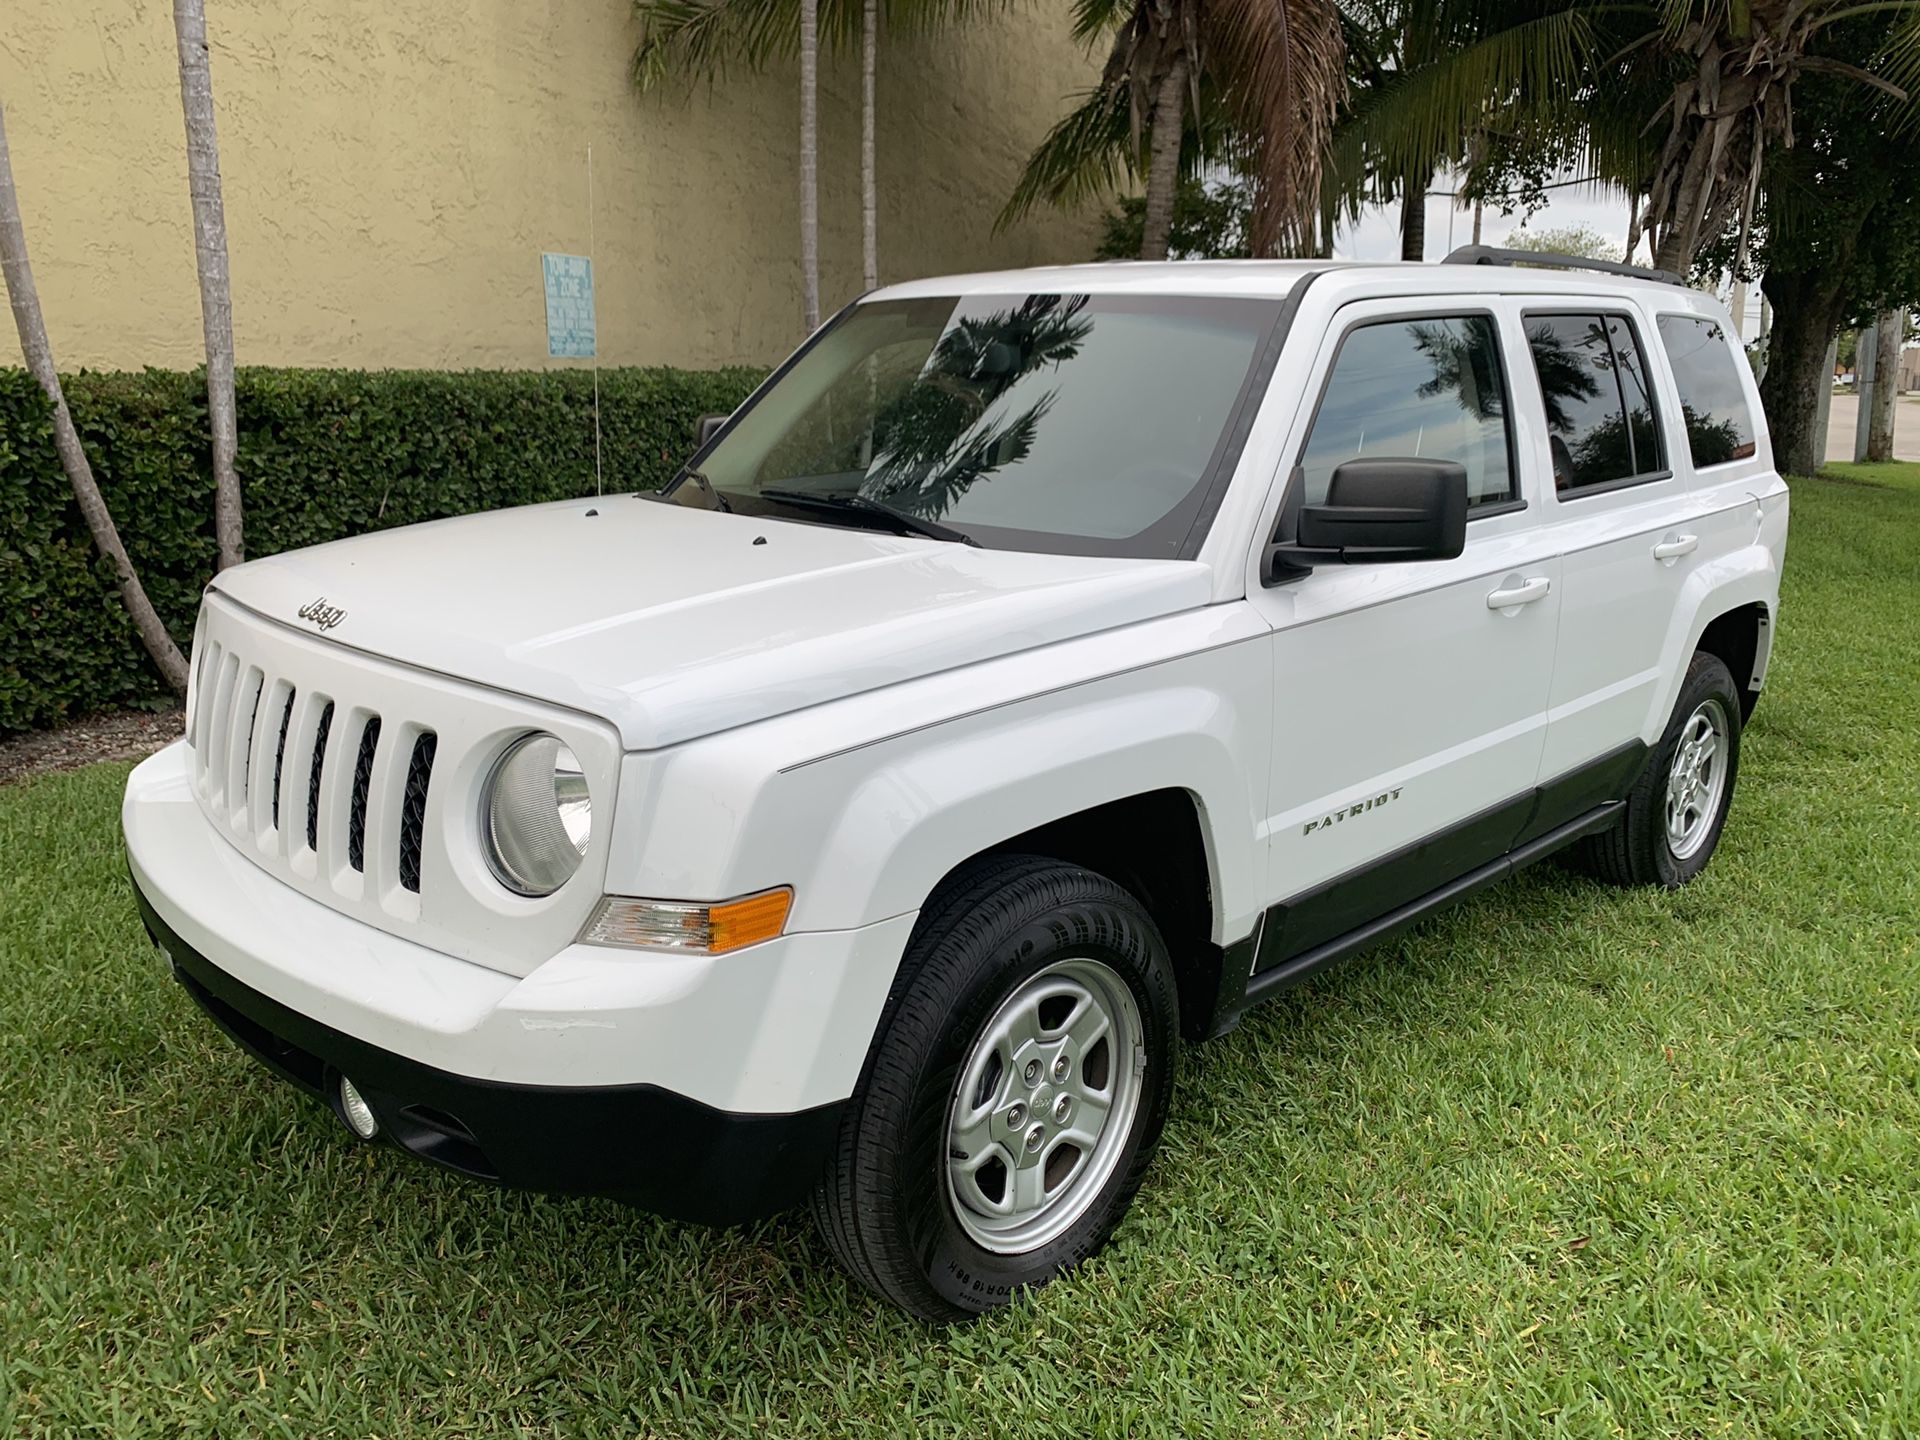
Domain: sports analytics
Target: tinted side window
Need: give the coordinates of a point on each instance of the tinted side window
(1712, 402)
(1429, 389)
(1600, 414)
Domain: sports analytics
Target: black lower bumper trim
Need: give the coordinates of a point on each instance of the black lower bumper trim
(637, 1143)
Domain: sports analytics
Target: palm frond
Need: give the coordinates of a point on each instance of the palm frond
(920, 17)
(1083, 156)
(1347, 183)
(702, 39)
(1900, 64)
(1424, 119)
(1094, 18)
(1281, 69)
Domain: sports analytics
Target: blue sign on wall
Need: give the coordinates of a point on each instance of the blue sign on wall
(569, 280)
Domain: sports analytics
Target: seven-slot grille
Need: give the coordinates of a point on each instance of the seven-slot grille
(296, 770)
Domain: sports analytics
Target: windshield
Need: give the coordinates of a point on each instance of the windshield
(1081, 424)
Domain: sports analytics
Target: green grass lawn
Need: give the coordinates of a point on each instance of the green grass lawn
(1565, 1160)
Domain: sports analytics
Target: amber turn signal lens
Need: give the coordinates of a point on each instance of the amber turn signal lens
(749, 921)
(680, 926)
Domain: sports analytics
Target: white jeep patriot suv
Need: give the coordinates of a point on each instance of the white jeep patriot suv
(1036, 671)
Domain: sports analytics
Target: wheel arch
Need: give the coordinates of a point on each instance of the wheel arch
(1728, 608)
(1154, 846)
(1742, 639)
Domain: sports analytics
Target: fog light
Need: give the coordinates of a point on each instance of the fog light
(356, 1112)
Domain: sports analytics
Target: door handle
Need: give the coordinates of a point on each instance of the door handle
(1673, 549)
(1525, 593)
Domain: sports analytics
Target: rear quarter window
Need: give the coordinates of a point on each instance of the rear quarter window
(1713, 403)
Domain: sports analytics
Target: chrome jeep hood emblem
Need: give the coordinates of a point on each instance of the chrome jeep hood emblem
(321, 613)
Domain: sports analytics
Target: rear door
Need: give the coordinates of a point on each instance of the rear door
(1410, 699)
(1617, 512)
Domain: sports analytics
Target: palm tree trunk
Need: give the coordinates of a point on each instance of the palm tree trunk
(1163, 160)
(34, 346)
(1890, 332)
(216, 292)
(869, 208)
(1808, 307)
(810, 162)
(1413, 218)
(1681, 230)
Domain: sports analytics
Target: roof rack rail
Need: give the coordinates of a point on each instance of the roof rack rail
(1551, 260)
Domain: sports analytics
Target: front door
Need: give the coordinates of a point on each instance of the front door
(1410, 699)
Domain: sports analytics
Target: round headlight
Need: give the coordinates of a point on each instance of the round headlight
(539, 816)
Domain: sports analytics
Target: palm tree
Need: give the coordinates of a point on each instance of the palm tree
(699, 39)
(1680, 101)
(1733, 65)
(1443, 83)
(25, 299)
(1250, 84)
(210, 249)
(1423, 81)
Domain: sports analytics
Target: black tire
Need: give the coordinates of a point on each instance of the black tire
(1637, 851)
(886, 1206)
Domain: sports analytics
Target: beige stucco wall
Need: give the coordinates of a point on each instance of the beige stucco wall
(395, 167)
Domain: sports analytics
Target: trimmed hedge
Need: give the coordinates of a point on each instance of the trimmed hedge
(323, 454)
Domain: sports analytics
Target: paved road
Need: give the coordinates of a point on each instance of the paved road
(1906, 428)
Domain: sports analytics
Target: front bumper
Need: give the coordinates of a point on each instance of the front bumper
(704, 1088)
(638, 1143)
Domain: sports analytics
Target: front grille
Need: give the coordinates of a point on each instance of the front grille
(349, 779)
(270, 753)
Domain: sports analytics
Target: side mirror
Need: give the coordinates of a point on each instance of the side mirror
(706, 427)
(1378, 510)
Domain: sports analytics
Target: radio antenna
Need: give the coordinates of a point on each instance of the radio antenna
(591, 267)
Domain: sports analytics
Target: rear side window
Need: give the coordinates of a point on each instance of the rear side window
(1601, 424)
(1429, 389)
(1712, 400)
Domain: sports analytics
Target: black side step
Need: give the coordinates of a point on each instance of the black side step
(1270, 982)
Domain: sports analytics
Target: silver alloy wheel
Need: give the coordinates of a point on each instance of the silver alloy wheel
(1697, 778)
(1044, 1105)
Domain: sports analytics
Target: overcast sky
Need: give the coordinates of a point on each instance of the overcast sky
(1377, 236)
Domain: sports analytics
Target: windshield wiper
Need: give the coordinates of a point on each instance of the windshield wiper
(899, 521)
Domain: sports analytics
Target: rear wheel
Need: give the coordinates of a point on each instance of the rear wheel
(1678, 807)
(1015, 1096)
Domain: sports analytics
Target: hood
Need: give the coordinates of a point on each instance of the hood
(674, 623)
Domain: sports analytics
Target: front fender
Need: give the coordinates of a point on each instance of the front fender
(863, 806)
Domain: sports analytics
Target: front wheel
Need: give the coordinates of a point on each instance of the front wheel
(1016, 1094)
(1678, 807)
